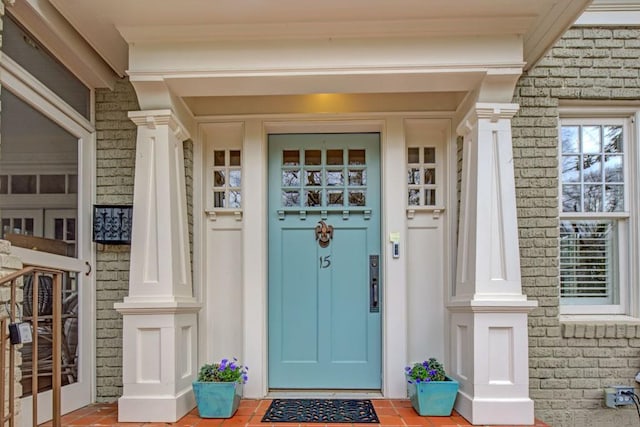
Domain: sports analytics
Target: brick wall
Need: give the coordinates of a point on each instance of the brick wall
(115, 163)
(569, 364)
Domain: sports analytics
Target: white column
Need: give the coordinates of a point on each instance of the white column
(489, 337)
(159, 314)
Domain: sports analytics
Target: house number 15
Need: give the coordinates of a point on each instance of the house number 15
(325, 261)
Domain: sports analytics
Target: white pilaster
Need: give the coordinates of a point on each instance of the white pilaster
(159, 314)
(489, 337)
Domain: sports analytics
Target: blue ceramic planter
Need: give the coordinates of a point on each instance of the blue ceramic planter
(217, 400)
(435, 398)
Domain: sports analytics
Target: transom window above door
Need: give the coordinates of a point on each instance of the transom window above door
(328, 178)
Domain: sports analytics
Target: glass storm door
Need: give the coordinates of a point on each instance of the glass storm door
(324, 247)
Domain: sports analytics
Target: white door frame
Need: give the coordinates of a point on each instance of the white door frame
(254, 235)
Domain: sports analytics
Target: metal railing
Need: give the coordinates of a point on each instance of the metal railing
(12, 280)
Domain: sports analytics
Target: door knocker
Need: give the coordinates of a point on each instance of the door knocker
(324, 234)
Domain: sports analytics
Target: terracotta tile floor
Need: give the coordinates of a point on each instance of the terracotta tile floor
(398, 413)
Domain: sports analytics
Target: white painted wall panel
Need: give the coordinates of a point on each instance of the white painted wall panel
(224, 289)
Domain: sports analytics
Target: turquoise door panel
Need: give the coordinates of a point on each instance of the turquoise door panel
(323, 332)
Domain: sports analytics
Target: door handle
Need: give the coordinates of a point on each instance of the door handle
(374, 285)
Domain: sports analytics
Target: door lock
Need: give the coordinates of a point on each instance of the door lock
(374, 283)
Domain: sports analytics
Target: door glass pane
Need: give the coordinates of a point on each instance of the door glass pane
(290, 158)
(334, 157)
(291, 178)
(313, 198)
(290, 198)
(335, 178)
(32, 144)
(335, 198)
(358, 177)
(357, 198)
(312, 157)
(314, 177)
(357, 157)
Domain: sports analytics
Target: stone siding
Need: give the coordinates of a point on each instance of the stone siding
(115, 164)
(569, 364)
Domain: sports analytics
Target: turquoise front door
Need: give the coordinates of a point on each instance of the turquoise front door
(324, 247)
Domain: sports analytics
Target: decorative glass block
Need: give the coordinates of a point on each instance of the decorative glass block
(358, 177)
(290, 198)
(218, 199)
(414, 197)
(335, 198)
(218, 158)
(235, 178)
(413, 155)
(413, 176)
(335, 178)
(290, 157)
(335, 157)
(313, 198)
(429, 176)
(429, 155)
(357, 198)
(234, 158)
(312, 157)
(313, 178)
(430, 197)
(291, 178)
(218, 178)
(357, 157)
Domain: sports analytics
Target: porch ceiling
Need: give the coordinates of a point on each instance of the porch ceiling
(109, 26)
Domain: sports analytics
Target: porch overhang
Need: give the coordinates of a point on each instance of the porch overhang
(116, 28)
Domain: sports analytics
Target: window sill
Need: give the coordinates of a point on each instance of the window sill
(600, 326)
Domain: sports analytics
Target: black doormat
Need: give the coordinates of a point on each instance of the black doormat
(320, 411)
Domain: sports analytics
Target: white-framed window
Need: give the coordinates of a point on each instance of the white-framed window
(596, 195)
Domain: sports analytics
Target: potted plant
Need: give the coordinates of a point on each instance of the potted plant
(431, 391)
(218, 389)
